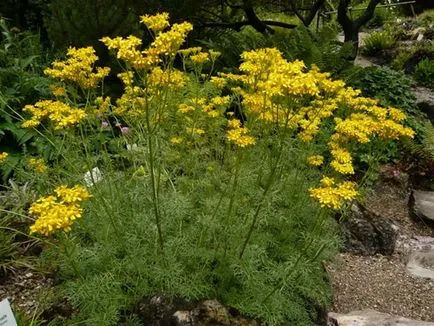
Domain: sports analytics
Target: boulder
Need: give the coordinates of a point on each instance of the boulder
(367, 233)
(425, 100)
(421, 205)
(211, 312)
(372, 318)
(421, 264)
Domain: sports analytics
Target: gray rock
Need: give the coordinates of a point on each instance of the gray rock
(422, 204)
(421, 264)
(210, 312)
(415, 243)
(367, 233)
(425, 100)
(372, 318)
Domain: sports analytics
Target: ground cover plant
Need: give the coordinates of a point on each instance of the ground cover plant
(193, 183)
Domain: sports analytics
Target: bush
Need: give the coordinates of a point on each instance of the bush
(426, 18)
(21, 64)
(424, 73)
(390, 87)
(378, 42)
(189, 199)
(313, 48)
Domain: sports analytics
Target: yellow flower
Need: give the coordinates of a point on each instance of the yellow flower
(72, 195)
(214, 54)
(176, 140)
(342, 162)
(156, 22)
(315, 160)
(184, 108)
(239, 135)
(333, 195)
(59, 113)
(58, 212)
(3, 157)
(78, 68)
(195, 131)
(37, 164)
(200, 58)
(189, 51)
(58, 90)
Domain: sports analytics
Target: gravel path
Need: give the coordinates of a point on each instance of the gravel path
(379, 282)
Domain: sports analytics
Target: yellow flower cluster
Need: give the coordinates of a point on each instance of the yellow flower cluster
(37, 164)
(3, 157)
(58, 90)
(58, 212)
(238, 134)
(78, 68)
(156, 23)
(165, 43)
(200, 58)
(62, 115)
(171, 79)
(342, 161)
(333, 195)
(315, 160)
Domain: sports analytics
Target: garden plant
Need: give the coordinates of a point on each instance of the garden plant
(169, 189)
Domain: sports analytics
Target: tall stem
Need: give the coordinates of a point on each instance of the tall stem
(155, 197)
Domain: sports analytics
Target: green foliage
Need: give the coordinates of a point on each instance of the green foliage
(21, 82)
(300, 43)
(378, 42)
(390, 87)
(381, 17)
(423, 146)
(111, 262)
(82, 22)
(424, 73)
(426, 18)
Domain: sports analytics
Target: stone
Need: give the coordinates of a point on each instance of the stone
(371, 317)
(211, 312)
(425, 100)
(367, 233)
(421, 205)
(421, 264)
(415, 243)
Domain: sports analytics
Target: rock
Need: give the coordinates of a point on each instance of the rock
(416, 243)
(425, 100)
(421, 205)
(211, 312)
(367, 233)
(421, 264)
(372, 318)
(166, 310)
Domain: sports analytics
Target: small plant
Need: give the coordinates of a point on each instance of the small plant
(390, 87)
(377, 42)
(426, 18)
(424, 73)
(209, 204)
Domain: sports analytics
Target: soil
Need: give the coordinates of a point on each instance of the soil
(22, 288)
(381, 282)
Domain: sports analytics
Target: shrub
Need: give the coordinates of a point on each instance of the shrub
(424, 73)
(390, 87)
(21, 63)
(426, 18)
(190, 200)
(313, 48)
(378, 42)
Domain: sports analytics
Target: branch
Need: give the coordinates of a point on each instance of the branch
(237, 25)
(312, 12)
(368, 14)
(343, 18)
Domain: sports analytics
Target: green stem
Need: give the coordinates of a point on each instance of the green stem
(155, 197)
